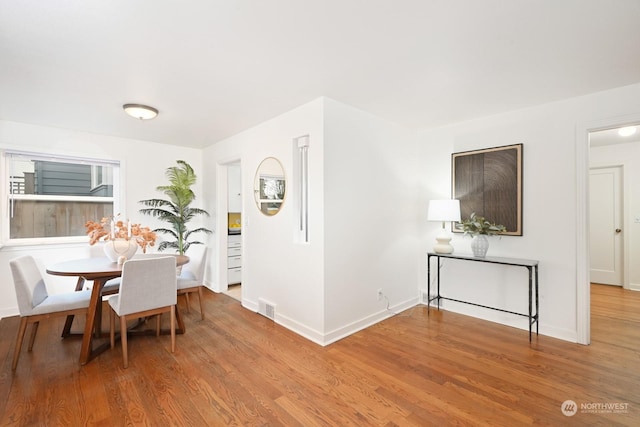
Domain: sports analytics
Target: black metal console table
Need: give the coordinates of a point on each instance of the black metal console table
(531, 265)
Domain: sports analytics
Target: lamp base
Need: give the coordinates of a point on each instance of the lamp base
(443, 246)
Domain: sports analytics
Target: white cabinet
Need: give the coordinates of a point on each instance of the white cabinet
(234, 259)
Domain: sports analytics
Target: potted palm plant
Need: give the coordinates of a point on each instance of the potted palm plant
(176, 210)
(479, 227)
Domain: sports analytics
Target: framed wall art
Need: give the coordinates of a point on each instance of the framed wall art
(489, 183)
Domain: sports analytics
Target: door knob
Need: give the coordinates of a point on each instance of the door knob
(618, 230)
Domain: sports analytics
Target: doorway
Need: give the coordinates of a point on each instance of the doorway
(234, 231)
(606, 221)
(229, 239)
(612, 156)
(588, 142)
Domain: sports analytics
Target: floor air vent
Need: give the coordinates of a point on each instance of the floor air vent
(267, 309)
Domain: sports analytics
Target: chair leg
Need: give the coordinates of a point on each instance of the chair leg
(173, 328)
(98, 321)
(112, 328)
(67, 326)
(123, 337)
(201, 305)
(158, 318)
(186, 296)
(34, 331)
(16, 353)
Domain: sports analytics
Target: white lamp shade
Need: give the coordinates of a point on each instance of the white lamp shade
(444, 210)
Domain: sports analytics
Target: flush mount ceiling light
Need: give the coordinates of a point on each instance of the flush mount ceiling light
(139, 111)
(627, 131)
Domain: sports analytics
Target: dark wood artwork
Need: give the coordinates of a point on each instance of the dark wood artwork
(489, 183)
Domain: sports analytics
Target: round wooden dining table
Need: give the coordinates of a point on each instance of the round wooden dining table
(99, 270)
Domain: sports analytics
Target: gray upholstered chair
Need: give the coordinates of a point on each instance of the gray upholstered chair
(148, 288)
(191, 278)
(35, 303)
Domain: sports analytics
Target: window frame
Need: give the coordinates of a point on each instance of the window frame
(6, 197)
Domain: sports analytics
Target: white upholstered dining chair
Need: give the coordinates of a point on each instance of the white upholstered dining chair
(148, 287)
(191, 279)
(35, 303)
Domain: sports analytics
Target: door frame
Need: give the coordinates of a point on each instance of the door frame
(583, 289)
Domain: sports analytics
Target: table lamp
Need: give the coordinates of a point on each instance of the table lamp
(445, 211)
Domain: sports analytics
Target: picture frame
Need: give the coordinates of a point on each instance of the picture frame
(489, 182)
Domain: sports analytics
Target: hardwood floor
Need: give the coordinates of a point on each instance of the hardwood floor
(239, 368)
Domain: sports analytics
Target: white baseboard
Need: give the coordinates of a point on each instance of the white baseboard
(358, 325)
(339, 333)
(9, 312)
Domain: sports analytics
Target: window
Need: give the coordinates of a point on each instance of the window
(51, 197)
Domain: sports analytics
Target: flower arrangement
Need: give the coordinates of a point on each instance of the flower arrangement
(112, 228)
(475, 225)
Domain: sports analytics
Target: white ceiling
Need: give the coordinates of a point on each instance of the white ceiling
(216, 67)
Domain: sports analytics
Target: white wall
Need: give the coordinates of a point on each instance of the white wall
(143, 166)
(372, 219)
(274, 267)
(364, 203)
(628, 156)
(552, 142)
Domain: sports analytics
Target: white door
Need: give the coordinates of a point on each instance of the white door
(605, 225)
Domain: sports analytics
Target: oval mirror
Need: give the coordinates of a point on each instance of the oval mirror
(269, 186)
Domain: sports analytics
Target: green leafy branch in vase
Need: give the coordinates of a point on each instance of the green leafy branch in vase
(476, 225)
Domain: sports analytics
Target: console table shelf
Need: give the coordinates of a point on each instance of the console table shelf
(530, 265)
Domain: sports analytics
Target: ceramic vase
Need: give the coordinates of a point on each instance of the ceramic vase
(480, 245)
(120, 250)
